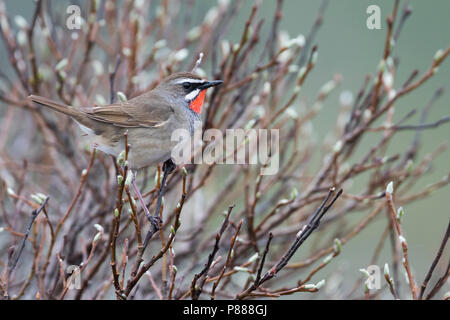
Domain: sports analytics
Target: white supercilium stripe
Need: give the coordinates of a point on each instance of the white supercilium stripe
(189, 80)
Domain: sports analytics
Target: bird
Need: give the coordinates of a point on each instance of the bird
(148, 121)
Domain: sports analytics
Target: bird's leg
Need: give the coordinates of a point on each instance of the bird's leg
(141, 199)
(155, 221)
(168, 168)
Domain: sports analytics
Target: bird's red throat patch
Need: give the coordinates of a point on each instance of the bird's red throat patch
(196, 104)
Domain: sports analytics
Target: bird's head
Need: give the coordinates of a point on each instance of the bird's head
(188, 88)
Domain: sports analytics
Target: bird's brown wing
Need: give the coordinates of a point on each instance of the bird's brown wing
(147, 110)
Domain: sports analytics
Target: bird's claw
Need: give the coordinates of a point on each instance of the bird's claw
(169, 166)
(156, 222)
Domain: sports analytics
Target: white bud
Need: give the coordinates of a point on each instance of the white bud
(327, 259)
(365, 273)
(400, 213)
(61, 64)
(100, 99)
(388, 79)
(301, 72)
(200, 72)
(392, 43)
(294, 193)
(320, 284)
(409, 166)
(266, 88)
(225, 48)
(338, 146)
(194, 33)
(36, 199)
(241, 269)
(129, 179)
(337, 245)
(122, 97)
(438, 55)
(314, 57)
(253, 257)
(21, 38)
(121, 158)
(250, 124)
(327, 88)
(10, 192)
(367, 114)
(291, 113)
(21, 22)
(346, 98)
(386, 270)
(98, 227)
(402, 239)
(390, 188)
(223, 3)
(382, 66)
(98, 67)
(42, 196)
(160, 44)
(299, 41)
(181, 54)
(126, 51)
(97, 237)
(389, 62)
(211, 16)
(293, 68)
(309, 286)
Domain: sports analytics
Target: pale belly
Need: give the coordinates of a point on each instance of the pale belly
(148, 146)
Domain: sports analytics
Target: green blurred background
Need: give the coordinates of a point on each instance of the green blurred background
(348, 47)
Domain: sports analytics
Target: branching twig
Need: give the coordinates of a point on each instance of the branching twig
(435, 262)
(34, 215)
(302, 235)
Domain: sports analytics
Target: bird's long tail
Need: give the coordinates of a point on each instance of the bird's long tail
(69, 110)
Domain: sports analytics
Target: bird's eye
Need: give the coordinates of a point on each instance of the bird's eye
(186, 85)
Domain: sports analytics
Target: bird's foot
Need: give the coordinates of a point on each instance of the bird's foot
(169, 166)
(155, 226)
(155, 221)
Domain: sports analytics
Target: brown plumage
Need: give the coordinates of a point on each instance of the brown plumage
(149, 118)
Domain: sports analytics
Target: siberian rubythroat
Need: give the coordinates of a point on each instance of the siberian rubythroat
(148, 119)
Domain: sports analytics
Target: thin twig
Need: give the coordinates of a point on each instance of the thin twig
(34, 215)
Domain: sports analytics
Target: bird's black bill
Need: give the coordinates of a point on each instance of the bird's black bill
(210, 84)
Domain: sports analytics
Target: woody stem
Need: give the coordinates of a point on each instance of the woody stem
(155, 221)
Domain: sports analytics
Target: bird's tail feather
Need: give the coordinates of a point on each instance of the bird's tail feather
(69, 110)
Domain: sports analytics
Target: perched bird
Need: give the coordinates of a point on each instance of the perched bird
(149, 120)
